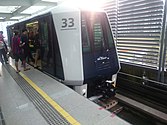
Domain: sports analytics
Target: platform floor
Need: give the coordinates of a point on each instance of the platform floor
(17, 109)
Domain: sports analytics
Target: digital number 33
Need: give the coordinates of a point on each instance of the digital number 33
(67, 22)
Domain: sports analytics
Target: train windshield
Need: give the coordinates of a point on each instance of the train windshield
(96, 33)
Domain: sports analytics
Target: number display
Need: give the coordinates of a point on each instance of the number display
(64, 23)
(67, 22)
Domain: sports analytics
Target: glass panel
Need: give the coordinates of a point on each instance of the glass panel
(46, 49)
(85, 37)
(98, 35)
(95, 27)
(107, 30)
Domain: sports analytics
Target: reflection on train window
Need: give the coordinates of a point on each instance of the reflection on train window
(110, 38)
(85, 37)
(44, 31)
(45, 46)
(98, 36)
(96, 33)
(46, 49)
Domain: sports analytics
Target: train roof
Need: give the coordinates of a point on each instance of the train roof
(64, 8)
(56, 10)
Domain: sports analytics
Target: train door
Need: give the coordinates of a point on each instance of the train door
(12, 29)
(59, 73)
(102, 51)
(47, 58)
(32, 28)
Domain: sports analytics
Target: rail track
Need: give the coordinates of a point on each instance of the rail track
(127, 112)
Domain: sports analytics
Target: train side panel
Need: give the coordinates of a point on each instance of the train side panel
(68, 31)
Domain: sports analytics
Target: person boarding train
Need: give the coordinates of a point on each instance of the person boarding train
(18, 52)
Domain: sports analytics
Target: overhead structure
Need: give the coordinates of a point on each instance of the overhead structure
(14, 10)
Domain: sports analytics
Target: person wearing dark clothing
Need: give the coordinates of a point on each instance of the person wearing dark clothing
(18, 53)
(3, 49)
(24, 39)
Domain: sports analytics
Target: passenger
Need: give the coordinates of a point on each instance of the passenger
(31, 41)
(3, 49)
(24, 39)
(37, 48)
(18, 52)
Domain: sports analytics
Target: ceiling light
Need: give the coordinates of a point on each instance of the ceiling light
(17, 17)
(1, 18)
(8, 9)
(50, 0)
(33, 9)
(85, 4)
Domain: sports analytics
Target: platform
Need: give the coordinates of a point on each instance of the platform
(18, 109)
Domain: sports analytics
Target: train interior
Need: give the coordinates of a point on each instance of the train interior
(33, 28)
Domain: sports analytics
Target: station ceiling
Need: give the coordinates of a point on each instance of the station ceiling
(14, 10)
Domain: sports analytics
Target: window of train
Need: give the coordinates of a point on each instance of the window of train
(46, 47)
(94, 31)
(102, 34)
(85, 36)
(106, 27)
(98, 35)
(137, 28)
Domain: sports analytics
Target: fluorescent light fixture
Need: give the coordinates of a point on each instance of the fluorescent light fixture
(32, 23)
(17, 17)
(1, 18)
(85, 4)
(8, 9)
(50, 1)
(33, 9)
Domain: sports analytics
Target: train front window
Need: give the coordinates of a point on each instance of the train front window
(98, 36)
(85, 37)
(98, 30)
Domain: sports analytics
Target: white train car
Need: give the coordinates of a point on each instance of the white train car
(77, 46)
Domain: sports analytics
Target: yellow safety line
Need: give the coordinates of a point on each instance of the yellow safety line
(56, 106)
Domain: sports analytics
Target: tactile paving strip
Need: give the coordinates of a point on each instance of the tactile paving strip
(47, 111)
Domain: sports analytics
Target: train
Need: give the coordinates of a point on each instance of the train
(77, 47)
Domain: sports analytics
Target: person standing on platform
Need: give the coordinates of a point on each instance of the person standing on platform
(18, 52)
(24, 39)
(3, 49)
